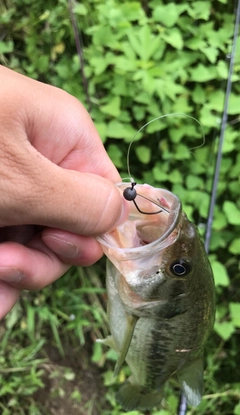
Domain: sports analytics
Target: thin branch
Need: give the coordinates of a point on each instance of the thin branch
(80, 53)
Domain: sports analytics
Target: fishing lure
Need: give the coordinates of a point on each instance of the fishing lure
(130, 194)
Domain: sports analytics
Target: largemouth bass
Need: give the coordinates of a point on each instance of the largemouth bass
(160, 299)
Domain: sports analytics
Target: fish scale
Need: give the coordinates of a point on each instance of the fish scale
(144, 354)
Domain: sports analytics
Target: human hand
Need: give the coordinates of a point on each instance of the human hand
(56, 186)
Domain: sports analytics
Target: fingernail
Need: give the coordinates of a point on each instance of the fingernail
(10, 274)
(64, 248)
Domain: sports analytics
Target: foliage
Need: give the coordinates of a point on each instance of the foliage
(144, 60)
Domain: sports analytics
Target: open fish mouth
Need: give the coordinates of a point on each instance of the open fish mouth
(153, 224)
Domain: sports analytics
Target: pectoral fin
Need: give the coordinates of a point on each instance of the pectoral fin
(131, 322)
(109, 341)
(191, 380)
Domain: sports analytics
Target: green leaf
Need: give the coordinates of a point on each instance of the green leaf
(220, 221)
(148, 82)
(182, 105)
(113, 107)
(112, 355)
(200, 10)
(224, 330)
(143, 154)
(156, 125)
(229, 141)
(132, 10)
(97, 352)
(235, 313)
(196, 43)
(75, 396)
(80, 9)
(42, 63)
(232, 212)
(234, 187)
(168, 14)
(216, 100)
(175, 176)
(174, 38)
(234, 247)
(220, 274)
(234, 104)
(198, 95)
(124, 64)
(103, 36)
(208, 118)
(6, 47)
(102, 130)
(13, 316)
(99, 64)
(193, 182)
(158, 173)
(133, 413)
(237, 407)
(202, 73)
(211, 53)
(115, 129)
(176, 134)
(139, 112)
(182, 152)
(69, 375)
(128, 51)
(143, 98)
(63, 70)
(222, 69)
(115, 154)
(144, 43)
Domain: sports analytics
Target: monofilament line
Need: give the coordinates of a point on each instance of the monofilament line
(176, 114)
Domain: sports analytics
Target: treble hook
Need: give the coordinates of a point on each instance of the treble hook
(130, 194)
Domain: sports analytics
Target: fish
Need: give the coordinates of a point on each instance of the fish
(161, 298)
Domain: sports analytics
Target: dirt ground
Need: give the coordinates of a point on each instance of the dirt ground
(56, 397)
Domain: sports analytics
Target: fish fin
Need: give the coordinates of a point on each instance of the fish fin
(109, 341)
(191, 380)
(132, 397)
(131, 322)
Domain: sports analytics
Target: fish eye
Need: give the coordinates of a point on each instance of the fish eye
(180, 267)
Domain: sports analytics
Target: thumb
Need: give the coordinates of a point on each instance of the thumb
(81, 203)
(48, 195)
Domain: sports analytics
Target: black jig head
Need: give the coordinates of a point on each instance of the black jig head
(130, 194)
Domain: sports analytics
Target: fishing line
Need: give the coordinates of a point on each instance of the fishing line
(182, 408)
(176, 114)
(130, 193)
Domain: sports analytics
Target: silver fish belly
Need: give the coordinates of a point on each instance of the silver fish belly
(160, 300)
